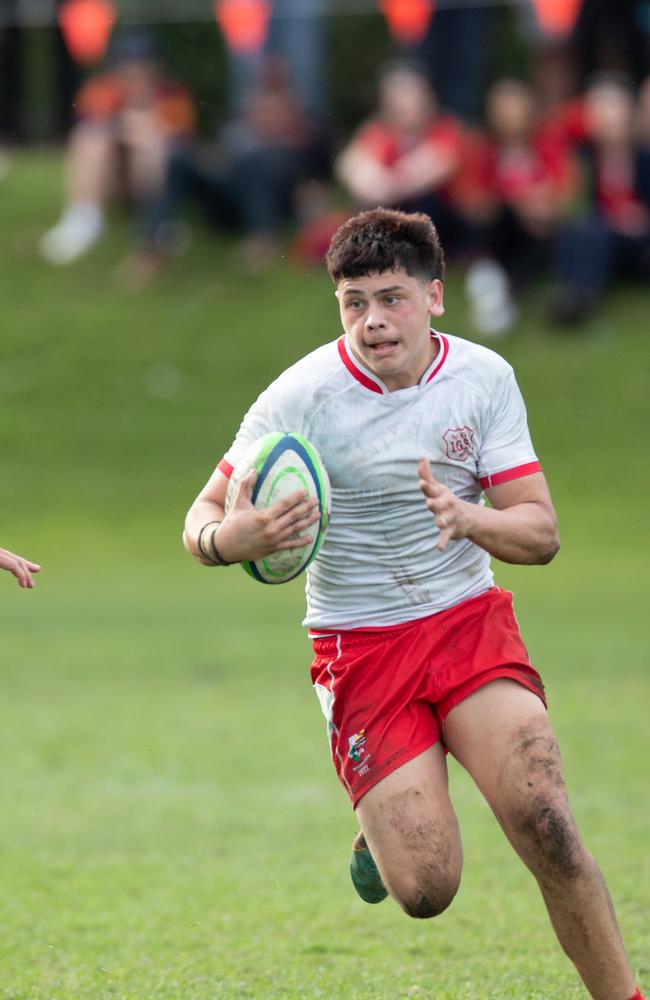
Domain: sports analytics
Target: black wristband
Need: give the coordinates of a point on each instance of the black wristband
(207, 554)
(217, 558)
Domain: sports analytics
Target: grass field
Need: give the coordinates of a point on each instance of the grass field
(171, 825)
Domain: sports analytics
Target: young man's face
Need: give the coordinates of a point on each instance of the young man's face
(387, 318)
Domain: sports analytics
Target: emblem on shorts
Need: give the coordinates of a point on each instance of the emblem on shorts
(356, 747)
(459, 443)
(358, 753)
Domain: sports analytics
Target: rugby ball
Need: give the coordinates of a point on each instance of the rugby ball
(284, 463)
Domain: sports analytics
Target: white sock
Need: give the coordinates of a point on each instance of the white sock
(79, 228)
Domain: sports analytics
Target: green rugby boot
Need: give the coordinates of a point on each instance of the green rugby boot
(363, 872)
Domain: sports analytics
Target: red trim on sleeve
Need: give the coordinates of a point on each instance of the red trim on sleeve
(352, 368)
(504, 477)
(226, 468)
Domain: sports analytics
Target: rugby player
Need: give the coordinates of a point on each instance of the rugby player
(417, 652)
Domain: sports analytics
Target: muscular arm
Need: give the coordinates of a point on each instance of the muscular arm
(423, 169)
(208, 506)
(247, 533)
(363, 176)
(519, 527)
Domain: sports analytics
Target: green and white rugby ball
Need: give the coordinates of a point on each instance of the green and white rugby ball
(284, 463)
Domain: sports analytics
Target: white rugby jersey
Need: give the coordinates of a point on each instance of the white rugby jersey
(379, 564)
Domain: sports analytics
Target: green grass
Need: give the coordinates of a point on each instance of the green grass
(171, 825)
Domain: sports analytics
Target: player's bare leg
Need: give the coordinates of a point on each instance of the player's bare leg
(90, 173)
(502, 736)
(410, 826)
(90, 164)
(146, 148)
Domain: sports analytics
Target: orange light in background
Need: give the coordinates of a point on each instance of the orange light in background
(408, 20)
(557, 17)
(86, 26)
(245, 23)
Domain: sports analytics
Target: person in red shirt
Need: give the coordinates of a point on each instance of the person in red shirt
(514, 187)
(249, 181)
(128, 119)
(608, 233)
(407, 154)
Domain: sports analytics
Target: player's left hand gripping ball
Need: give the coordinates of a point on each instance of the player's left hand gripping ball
(284, 463)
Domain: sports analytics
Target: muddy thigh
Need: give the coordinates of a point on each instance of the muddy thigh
(532, 803)
(412, 831)
(503, 737)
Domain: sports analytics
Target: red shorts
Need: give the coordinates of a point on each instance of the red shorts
(386, 692)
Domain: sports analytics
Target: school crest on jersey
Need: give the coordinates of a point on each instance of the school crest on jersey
(459, 443)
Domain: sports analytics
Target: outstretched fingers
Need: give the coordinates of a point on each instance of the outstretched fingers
(294, 542)
(21, 568)
(292, 516)
(437, 500)
(248, 533)
(296, 511)
(450, 512)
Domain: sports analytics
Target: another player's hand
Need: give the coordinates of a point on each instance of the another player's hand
(21, 568)
(453, 515)
(248, 534)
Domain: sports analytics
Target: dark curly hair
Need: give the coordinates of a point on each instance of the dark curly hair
(383, 239)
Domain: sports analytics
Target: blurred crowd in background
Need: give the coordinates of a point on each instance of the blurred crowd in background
(542, 174)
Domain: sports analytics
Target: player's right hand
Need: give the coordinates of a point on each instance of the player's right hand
(21, 568)
(247, 534)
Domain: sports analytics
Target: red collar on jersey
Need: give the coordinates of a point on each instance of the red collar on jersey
(371, 381)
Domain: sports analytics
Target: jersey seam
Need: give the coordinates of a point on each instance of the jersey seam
(325, 402)
(483, 389)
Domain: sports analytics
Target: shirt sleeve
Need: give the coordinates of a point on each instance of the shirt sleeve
(258, 421)
(377, 141)
(506, 450)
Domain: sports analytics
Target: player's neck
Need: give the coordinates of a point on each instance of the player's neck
(413, 375)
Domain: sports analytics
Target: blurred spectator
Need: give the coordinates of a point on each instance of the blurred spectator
(67, 76)
(249, 182)
(573, 42)
(613, 36)
(455, 50)
(12, 59)
(296, 38)
(553, 75)
(553, 68)
(523, 180)
(407, 154)
(128, 121)
(610, 233)
(643, 112)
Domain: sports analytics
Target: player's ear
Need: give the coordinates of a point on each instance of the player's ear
(435, 293)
